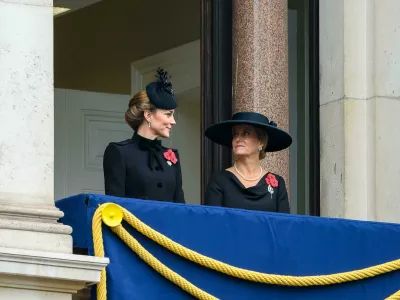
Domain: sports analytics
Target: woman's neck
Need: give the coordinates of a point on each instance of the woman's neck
(248, 166)
(146, 132)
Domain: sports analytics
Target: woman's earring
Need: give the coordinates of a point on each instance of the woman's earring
(259, 148)
(149, 124)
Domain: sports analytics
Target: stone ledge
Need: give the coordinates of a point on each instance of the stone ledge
(48, 271)
(37, 226)
(35, 240)
(45, 213)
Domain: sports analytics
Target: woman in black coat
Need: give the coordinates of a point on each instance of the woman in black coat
(141, 167)
(246, 184)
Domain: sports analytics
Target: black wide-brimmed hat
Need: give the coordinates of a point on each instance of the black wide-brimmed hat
(160, 92)
(221, 133)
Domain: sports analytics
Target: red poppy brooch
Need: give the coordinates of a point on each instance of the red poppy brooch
(272, 183)
(170, 156)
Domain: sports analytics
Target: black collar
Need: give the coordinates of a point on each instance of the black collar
(145, 142)
(152, 146)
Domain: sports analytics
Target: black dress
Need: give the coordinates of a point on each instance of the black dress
(225, 189)
(137, 168)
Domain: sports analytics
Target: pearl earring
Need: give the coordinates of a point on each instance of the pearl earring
(149, 124)
(259, 148)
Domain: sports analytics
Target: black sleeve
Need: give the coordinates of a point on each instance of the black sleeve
(114, 171)
(179, 195)
(282, 197)
(214, 195)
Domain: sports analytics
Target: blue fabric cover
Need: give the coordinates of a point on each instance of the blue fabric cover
(75, 215)
(265, 242)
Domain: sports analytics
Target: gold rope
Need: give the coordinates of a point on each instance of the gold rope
(101, 287)
(299, 281)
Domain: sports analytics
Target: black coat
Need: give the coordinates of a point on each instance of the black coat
(225, 189)
(137, 168)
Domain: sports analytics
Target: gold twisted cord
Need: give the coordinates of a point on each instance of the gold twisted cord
(158, 266)
(286, 280)
(101, 287)
(395, 296)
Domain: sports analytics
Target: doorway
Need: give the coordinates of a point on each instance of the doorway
(103, 53)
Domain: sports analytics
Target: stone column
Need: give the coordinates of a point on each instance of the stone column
(32, 243)
(260, 66)
(27, 129)
(359, 110)
(331, 107)
(387, 111)
(360, 166)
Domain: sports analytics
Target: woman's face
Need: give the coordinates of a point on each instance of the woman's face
(245, 141)
(162, 122)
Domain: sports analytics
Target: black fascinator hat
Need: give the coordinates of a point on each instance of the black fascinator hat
(160, 92)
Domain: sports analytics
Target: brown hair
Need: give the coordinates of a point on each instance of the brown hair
(134, 116)
(263, 137)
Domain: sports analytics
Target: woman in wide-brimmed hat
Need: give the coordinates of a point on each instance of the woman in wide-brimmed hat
(246, 184)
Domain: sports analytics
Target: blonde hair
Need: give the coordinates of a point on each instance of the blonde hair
(134, 115)
(262, 135)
